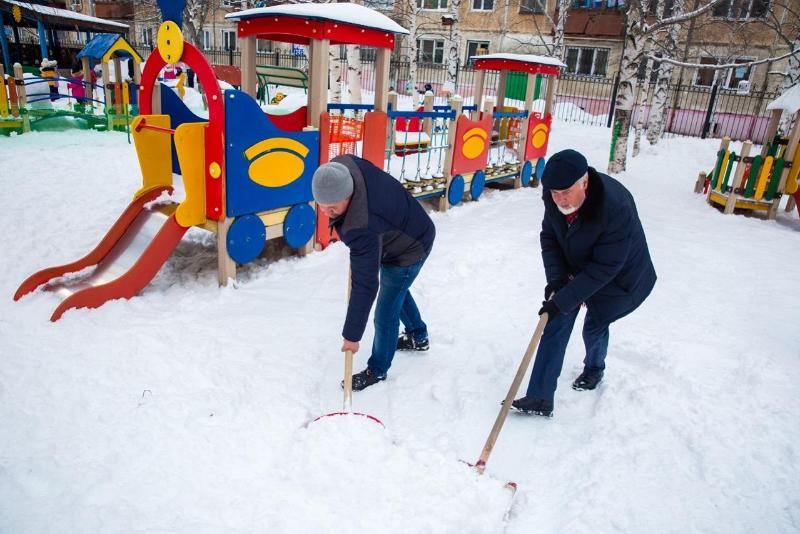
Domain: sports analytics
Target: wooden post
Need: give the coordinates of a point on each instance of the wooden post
(86, 67)
(427, 104)
(456, 104)
(137, 72)
(738, 178)
(529, 88)
(501, 88)
(22, 97)
(226, 267)
(118, 81)
(477, 94)
(723, 145)
(318, 81)
(788, 156)
(249, 80)
(700, 183)
(549, 95)
(772, 129)
(382, 61)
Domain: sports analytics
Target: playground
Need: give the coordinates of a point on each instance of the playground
(173, 387)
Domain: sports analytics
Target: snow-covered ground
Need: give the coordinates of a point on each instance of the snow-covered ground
(185, 409)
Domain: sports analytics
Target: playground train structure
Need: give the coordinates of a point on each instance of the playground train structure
(247, 174)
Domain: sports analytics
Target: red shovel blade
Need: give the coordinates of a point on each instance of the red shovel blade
(333, 414)
(480, 465)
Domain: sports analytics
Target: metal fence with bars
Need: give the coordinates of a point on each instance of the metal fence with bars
(693, 111)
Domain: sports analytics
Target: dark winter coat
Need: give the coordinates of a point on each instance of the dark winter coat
(601, 259)
(382, 225)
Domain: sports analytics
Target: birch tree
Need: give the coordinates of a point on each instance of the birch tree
(455, 45)
(658, 109)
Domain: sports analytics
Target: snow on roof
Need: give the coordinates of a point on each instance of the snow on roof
(348, 13)
(65, 14)
(789, 101)
(524, 58)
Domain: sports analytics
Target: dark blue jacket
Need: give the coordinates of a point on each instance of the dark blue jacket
(382, 224)
(602, 258)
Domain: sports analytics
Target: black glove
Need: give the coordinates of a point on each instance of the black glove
(550, 308)
(552, 288)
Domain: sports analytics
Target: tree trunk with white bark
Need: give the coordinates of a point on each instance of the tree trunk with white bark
(558, 37)
(658, 109)
(335, 74)
(455, 46)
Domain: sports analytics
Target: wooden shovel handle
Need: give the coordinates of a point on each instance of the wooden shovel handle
(480, 465)
(348, 381)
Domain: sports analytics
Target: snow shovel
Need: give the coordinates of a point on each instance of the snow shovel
(480, 465)
(347, 403)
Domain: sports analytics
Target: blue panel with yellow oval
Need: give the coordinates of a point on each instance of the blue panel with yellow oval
(266, 167)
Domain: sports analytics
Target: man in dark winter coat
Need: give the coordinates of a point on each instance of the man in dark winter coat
(595, 253)
(390, 237)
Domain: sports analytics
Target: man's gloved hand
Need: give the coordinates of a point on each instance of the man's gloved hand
(552, 288)
(550, 308)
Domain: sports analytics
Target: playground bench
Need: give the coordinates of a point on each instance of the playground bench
(288, 76)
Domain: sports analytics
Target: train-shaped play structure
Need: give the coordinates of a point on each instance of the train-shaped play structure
(247, 174)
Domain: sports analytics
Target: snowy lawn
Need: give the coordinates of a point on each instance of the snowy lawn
(185, 408)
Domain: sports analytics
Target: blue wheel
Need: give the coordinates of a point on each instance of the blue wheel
(299, 225)
(456, 190)
(246, 238)
(539, 168)
(525, 175)
(477, 185)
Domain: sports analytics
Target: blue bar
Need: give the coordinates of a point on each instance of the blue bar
(4, 43)
(351, 107)
(446, 107)
(422, 114)
(42, 39)
(474, 107)
(509, 114)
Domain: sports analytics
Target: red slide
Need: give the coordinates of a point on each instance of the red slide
(125, 260)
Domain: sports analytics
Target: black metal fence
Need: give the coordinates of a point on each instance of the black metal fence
(693, 111)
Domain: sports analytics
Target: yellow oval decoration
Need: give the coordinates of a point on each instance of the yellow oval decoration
(276, 162)
(170, 42)
(539, 136)
(16, 12)
(214, 170)
(474, 143)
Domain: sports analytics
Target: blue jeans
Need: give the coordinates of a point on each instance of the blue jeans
(395, 304)
(553, 345)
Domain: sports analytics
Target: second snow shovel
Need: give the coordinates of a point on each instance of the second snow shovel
(480, 465)
(347, 403)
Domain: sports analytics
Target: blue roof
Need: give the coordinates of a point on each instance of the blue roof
(100, 44)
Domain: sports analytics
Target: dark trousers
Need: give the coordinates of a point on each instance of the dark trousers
(394, 304)
(553, 345)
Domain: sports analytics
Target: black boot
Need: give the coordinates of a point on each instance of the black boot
(531, 406)
(365, 379)
(406, 342)
(587, 380)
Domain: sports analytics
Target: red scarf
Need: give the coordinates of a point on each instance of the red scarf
(571, 217)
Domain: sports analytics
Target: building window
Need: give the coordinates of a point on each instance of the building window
(147, 36)
(263, 46)
(432, 4)
(232, 3)
(741, 9)
(229, 39)
(387, 5)
(597, 4)
(706, 77)
(206, 40)
(738, 74)
(430, 51)
(729, 78)
(476, 48)
(532, 6)
(482, 5)
(587, 61)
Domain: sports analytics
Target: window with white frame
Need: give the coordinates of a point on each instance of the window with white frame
(741, 9)
(587, 61)
(430, 50)
(229, 39)
(147, 36)
(483, 5)
(386, 5)
(206, 39)
(476, 48)
(263, 46)
(729, 78)
(532, 6)
(432, 4)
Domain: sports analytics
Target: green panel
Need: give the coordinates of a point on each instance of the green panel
(775, 179)
(731, 161)
(773, 149)
(715, 177)
(516, 85)
(755, 168)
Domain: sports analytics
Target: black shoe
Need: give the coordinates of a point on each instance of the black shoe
(531, 406)
(406, 342)
(587, 380)
(365, 379)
